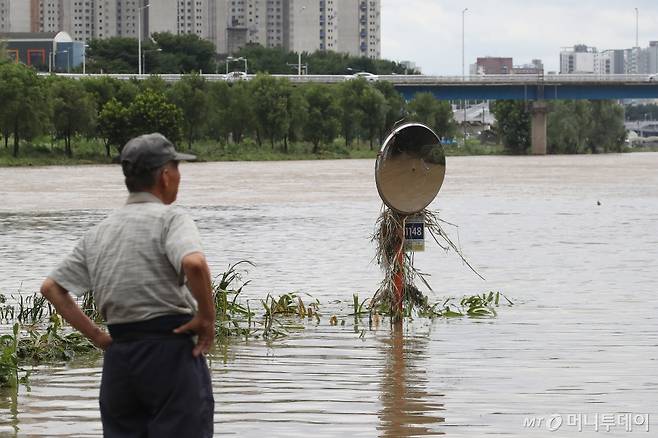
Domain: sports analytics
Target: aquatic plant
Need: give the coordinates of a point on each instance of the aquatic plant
(33, 308)
(478, 305)
(88, 306)
(40, 335)
(232, 317)
(55, 343)
(9, 358)
(282, 312)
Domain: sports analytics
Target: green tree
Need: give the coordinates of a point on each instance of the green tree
(373, 105)
(185, 53)
(642, 112)
(219, 108)
(113, 55)
(4, 57)
(241, 117)
(323, 123)
(272, 107)
(151, 112)
(349, 95)
(396, 107)
(513, 125)
(24, 108)
(153, 83)
(608, 131)
(279, 61)
(74, 111)
(437, 114)
(569, 124)
(297, 108)
(274, 60)
(190, 95)
(105, 88)
(114, 125)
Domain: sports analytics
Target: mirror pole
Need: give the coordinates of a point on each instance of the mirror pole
(398, 279)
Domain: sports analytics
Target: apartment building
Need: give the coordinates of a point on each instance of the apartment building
(584, 59)
(16, 15)
(580, 59)
(349, 26)
(179, 17)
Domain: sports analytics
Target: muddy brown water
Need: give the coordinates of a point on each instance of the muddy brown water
(580, 342)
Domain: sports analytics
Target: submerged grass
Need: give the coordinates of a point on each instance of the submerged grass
(40, 335)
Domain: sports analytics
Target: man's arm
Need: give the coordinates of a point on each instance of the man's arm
(71, 312)
(198, 282)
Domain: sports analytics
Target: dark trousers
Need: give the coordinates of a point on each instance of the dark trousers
(152, 386)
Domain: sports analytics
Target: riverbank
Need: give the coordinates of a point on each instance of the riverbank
(94, 152)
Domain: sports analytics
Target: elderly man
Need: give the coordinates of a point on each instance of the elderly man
(151, 282)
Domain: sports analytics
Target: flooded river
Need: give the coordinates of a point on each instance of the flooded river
(572, 240)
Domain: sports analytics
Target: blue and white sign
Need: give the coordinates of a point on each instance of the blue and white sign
(414, 233)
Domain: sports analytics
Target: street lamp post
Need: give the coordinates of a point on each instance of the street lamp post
(637, 27)
(139, 37)
(299, 50)
(463, 32)
(299, 63)
(463, 72)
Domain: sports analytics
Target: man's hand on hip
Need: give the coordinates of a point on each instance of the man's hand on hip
(198, 281)
(205, 329)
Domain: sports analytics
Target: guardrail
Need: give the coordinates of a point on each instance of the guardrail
(423, 80)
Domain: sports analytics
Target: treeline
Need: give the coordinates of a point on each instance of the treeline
(642, 112)
(267, 111)
(574, 126)
(188, 53)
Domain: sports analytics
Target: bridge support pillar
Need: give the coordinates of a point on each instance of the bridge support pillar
(538, 123)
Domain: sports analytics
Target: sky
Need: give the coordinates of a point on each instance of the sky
(429, 32)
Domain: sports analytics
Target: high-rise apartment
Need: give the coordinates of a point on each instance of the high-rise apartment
(179, 17)
(16, 15)
(350, 26)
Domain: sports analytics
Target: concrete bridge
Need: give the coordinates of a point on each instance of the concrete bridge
(535, 89)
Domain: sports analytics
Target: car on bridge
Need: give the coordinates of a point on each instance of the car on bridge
(362, 75)
(236, 76)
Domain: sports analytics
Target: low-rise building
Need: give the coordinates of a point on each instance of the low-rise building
(45, 51)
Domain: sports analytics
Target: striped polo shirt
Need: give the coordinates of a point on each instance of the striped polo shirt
(132, 261)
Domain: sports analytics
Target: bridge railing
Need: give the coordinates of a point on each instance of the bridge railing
(512, 79)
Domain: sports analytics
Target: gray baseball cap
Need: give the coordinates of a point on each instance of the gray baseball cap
(148, 152)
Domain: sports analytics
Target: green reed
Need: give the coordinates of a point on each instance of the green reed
(40, 335)
(418, 305)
